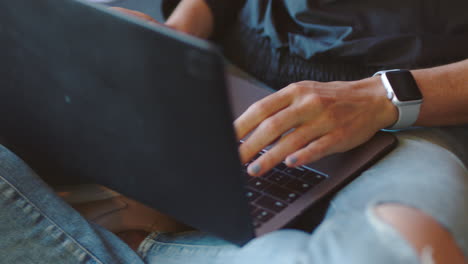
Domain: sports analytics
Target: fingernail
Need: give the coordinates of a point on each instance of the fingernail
(255, 168)
(291, 160)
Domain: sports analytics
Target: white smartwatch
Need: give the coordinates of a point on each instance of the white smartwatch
(404, 93)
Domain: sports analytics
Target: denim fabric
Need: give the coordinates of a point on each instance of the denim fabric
(186, 247)
(418, 173)
(38, 227)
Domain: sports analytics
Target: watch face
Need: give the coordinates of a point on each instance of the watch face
(404, 86)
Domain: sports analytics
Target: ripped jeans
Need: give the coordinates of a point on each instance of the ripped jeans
(418, 173)
(38, 227)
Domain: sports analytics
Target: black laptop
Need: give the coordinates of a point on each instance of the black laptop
(90, 94)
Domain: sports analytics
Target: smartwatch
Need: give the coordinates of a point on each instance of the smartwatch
(404, 93)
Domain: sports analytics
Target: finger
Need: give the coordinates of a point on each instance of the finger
(135, 14)
(268, 132)
(287, 145)
(260, 111)
(317, 149)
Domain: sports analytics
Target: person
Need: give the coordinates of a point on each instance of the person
(408, 208)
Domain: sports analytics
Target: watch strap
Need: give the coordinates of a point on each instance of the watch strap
(407, 116)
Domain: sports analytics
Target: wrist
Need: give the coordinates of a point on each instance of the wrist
(445, 90)
(404, 93)
(386, 113)
(432, 82)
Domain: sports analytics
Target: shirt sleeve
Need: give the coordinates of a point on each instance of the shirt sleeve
(224, 12)
(167, 6)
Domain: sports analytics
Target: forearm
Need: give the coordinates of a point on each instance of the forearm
(445, 91)
(204, 18)
(193, 17)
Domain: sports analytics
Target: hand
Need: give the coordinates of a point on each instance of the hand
(321, 118)
(192, 17)
(136, 14)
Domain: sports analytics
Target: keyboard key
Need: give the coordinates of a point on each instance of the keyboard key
(262, 215)
(252, 195)
(281, 166)
(313, 178)
(253, 208)
(281, 193)
(257, 156)
(278, 177)
(271, 204)
(297, 172)
(298, 186)
(258, 183)
(256, 224)
(246, 175)
(254, 158)
(267, 174)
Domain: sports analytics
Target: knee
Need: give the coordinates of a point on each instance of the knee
(9, 160)
(432, 242)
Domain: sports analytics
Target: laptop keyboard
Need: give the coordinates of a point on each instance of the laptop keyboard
(276, 189)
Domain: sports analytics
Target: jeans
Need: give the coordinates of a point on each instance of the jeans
(423, 172)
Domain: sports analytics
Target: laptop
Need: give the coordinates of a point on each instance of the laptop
(90, 94)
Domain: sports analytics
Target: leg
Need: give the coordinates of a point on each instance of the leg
(38, 227)
(431, 241)
(436, 184)
(420, 191)
(418, 174)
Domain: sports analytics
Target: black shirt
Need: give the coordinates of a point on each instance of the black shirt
(408, 33)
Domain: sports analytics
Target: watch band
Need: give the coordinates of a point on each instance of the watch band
(408, 112)
(407, 116)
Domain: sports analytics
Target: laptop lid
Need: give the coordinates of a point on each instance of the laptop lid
(95, 94)
(144, 110)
